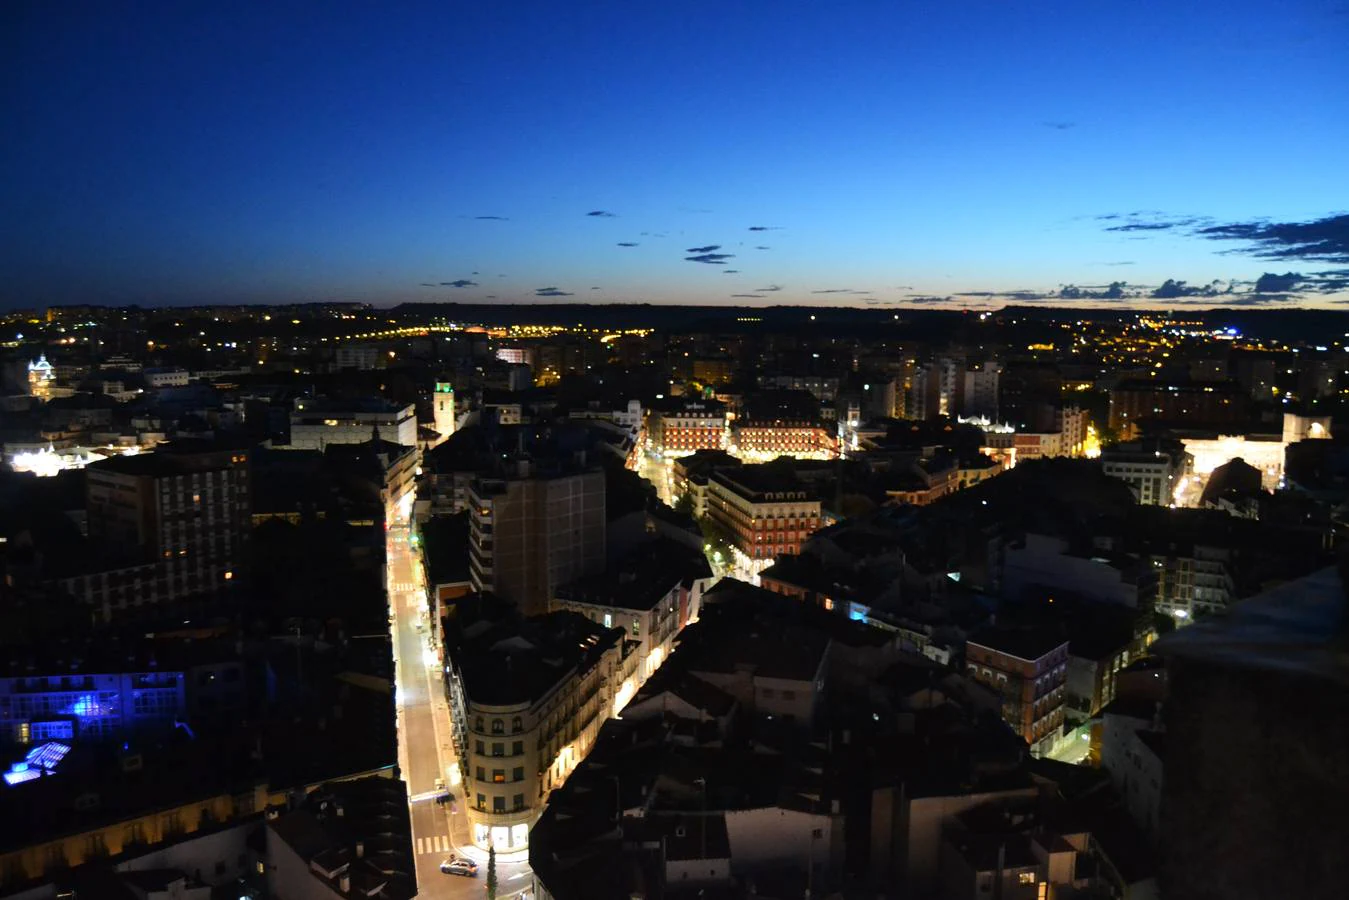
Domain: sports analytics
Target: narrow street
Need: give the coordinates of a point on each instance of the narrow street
(425, 749)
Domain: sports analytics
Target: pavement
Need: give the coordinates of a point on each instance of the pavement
(425, 749)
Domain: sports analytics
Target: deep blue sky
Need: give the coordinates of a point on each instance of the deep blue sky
(282, 151)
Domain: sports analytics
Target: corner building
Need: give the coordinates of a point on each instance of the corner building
(531, 696)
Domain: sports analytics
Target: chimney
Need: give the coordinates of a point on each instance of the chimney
(344, 884)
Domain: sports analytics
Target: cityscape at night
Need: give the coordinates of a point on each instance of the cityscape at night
(619, 452)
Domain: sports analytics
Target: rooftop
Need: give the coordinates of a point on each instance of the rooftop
(516, 661)
(641, 579)
(1028, 643)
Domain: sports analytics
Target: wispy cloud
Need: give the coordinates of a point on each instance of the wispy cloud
(461, 283)
(550, 292)
(1325, 239)
(765, 228)
(770, 289)
(748, 296)
(601, 214)
(626, 244)
(492, 218)
(711, 259)
(730, 271)
(429, 284)
(1059, 126)
(761, 247)
(708, 249)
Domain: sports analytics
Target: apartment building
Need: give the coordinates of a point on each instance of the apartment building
(1151, 469)
(535, 530)
(172, 524)
(764, 510)
(1028, 667)
(783, 423)
(651, 594)
(529, 697)
(689, 476)
(686, 426)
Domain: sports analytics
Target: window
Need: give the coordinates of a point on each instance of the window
(517, 725)
(518, 801)
(498, 804)
(518, 773)
(482, 801)
(608, 620)
(517, 748)
(498, 726)
(499, 776)
(481, 774)
(1025, 878)
(478, 748)
(478, 725)
(498, 749)
(636, 627)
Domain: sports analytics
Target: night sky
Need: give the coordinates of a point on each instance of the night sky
(882, 153)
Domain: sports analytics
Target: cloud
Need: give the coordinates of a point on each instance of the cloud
(428, 284)
(730, 271)
(1122, 262)
(1059, 126)
(1116, 290)
(492, 218)
(1271, 283)
(749, 296)
(1325, 239)
(765, 228)
(597, 288)
(1171, 289)
(840, 291)
(461, 283)
(626, 244)
(550, 292)
(926, 301)
(708, 249)
(711, 259)
(601, 214)
(763, 248)
(770, 289)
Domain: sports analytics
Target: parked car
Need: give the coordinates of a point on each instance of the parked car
(457, 865)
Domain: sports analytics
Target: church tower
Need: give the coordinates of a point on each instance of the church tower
(444, 409)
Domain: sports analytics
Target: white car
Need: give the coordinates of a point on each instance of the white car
(457, 865)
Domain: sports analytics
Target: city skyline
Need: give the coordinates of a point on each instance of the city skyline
(864, 154)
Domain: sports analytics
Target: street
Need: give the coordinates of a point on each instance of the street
(425, 748)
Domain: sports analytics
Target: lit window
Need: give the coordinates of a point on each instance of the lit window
(229, 576)
(1026, 877)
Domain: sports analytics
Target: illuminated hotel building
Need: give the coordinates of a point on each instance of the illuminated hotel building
(686, 427)
(765, 511)
(528, 699)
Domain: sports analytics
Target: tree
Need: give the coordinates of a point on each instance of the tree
(491, 872)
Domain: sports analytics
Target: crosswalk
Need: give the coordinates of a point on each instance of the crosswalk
(438, 844)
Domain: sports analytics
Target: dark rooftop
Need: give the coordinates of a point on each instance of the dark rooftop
(519, 661)
(1028, 643)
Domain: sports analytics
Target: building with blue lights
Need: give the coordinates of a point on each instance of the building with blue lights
(78, 707)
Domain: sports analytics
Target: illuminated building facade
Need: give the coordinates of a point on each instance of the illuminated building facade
(1152, 469)
(1028, 668)
(80, 707)
(651, 594)
(765, 512)
(687, 427)
(41, 378)
(531, 696)
(1265, 452)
